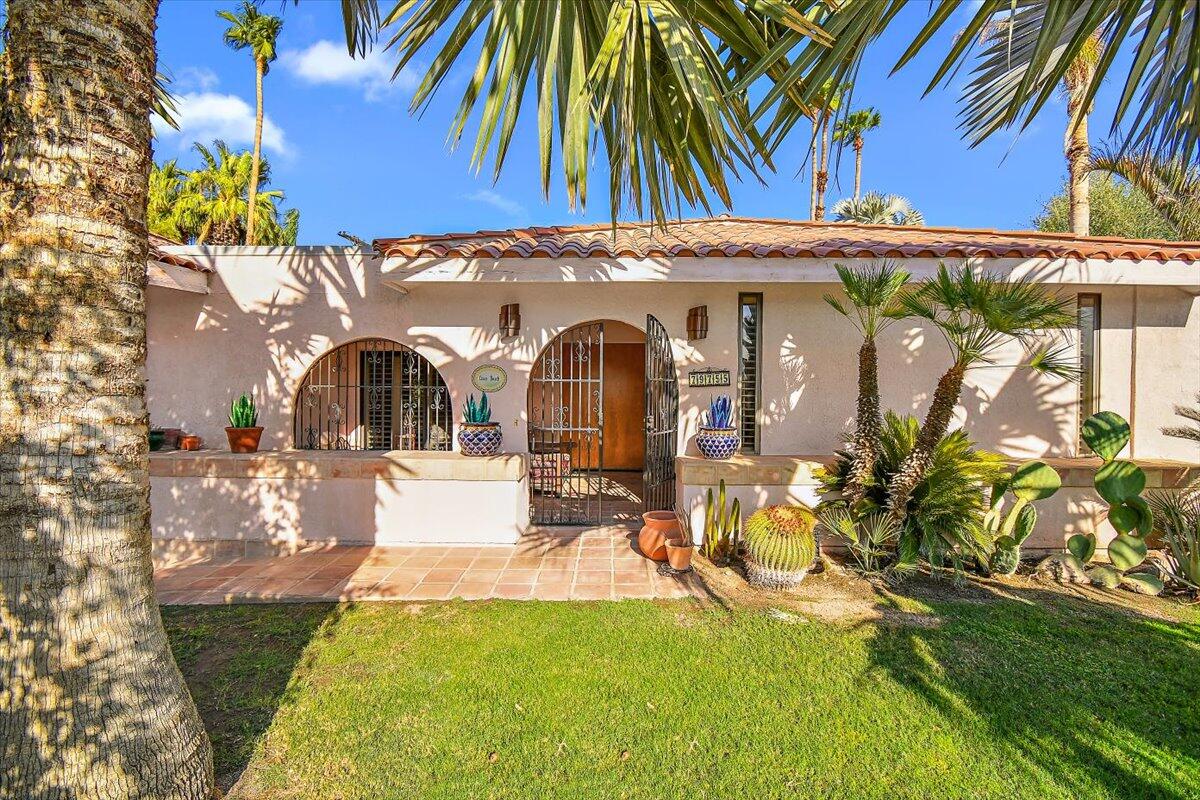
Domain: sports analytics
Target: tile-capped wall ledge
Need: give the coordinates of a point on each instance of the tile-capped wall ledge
(392, 465)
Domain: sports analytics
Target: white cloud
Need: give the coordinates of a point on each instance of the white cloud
(498, 201)
(204, 116)
(325, 62)
(200, 79)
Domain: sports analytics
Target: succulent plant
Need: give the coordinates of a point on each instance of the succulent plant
(477, 413)
(1120, 484)
(243, 413)
(780, 545)
(720, 412)
(721, 530)
(1030, 482)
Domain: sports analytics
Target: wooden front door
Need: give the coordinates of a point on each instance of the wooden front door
(624, 405)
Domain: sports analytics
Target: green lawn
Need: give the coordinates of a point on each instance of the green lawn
(1040, 697)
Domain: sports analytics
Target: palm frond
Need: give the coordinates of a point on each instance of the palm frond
(1173, 186)
(875, 208)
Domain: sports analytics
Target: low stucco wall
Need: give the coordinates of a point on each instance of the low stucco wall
(777, 480)
(291, 498)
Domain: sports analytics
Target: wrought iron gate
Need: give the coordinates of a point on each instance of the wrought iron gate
(566, 429)
(662, 419)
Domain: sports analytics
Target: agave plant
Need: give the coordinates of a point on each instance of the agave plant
(243, 413)
(719, 413)
(477, 413)
(875, 208)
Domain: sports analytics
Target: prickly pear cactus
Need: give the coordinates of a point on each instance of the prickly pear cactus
(1005, 560)
(780, 546)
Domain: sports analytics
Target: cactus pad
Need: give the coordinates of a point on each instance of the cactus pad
(1005, 560)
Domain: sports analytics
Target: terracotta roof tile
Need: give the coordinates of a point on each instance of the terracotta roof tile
(157, 243)
(739, 237)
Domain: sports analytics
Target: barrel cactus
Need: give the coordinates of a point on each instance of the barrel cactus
(780, 546)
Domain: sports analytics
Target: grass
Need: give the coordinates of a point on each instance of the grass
(1036, 696)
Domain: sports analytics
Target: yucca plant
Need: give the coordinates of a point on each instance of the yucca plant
(477, 413)
(243, 413)
(945, 511)
(977, 314)
(722, 530)
(1177, 518)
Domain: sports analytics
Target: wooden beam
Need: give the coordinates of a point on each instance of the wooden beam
(169, 276)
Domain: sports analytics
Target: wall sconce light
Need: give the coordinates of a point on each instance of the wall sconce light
(510, 319)
(697, 323)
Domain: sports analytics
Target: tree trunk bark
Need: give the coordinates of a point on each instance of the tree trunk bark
(1079, 161)
(858, 148)
(812, 160)
(867, 425)
(257, 157)
(91, 702)
(822, 172)
(937, 422)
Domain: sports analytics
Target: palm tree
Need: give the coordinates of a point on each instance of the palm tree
(94, 705)
(852, 129)
(217, 195)
(976, 315)
(874, 296)
(827, 104)
(1076, 83)
(249, 28)
(876, 208)
(1173, 187)
(165, 202)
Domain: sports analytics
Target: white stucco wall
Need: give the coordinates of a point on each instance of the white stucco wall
(272, 312)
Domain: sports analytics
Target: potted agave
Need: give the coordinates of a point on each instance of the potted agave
(243, 430)
(717, 438)
(478, 435)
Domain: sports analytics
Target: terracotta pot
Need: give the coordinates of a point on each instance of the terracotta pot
(190, 441)
(659, 526)
(679, 555)
(171, 442)
(244, 440)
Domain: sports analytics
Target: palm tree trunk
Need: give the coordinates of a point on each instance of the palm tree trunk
(92, 704)
(1079, 159)
(858, 148)
(933, 429)
(812, 160)
(259, 67)
(823, 168)
(868, 424)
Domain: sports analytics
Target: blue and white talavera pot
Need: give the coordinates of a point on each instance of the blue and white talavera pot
(718, 443)
(479, 440)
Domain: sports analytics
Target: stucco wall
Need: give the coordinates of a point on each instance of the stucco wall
(271, 313)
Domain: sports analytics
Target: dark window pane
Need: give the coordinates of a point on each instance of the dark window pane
(1089, 352)
(749, 356)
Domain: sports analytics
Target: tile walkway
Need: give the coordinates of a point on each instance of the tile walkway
(596, 564)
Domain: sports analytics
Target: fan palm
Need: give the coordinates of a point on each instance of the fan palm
(253, 30)
(876, 208)
(873, 293)
(165, 203)
(217, 194)
(976, 315)
(851, 129)
(1172, 186)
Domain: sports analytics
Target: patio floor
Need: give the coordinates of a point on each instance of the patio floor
(593, 564)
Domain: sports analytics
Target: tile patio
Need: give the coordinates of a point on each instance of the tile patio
(594, 564)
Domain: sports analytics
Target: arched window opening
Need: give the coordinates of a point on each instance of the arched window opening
(373, 394)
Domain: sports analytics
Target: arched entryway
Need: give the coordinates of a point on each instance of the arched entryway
(603, 411)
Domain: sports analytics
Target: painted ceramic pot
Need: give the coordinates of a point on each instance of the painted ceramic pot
(243, 440)
(479, 440)
(718, 443)
(658, 528)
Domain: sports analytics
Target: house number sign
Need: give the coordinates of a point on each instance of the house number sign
(708, 377)
(489, 378)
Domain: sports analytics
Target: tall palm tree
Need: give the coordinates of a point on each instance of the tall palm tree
(253, 30)
(827, 104)
(1076, 146)
(1172, 186)
(218, 195)
(93, 705)
(976, 315)
(165, 202)
(875, 208)
(874, 294)
(851, 129)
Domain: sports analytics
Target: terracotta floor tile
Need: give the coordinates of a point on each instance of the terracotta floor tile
(496, 550)
(552, 591)
(590, 592)
(593, 578)
(335, 571)
(174, 598)
(422, 561)
(444, 576)
(490, 562)
(524, 562)
(204, 584)
(524, 576)
(397, 590)
(375, 574)
(563, 571)
(633, 590)
(631, 573)
(431, 591)
(231, 570)
(456, 560)
(318, 587)
(512, 591)
(407, 573)
(287, 567)
(386, 559)
(473, 575)
(473, 590)
(431, 550)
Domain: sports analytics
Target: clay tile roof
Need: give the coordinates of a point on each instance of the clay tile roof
(157, 243)
(740, 237)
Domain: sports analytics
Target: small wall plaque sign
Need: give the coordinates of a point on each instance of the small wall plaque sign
(489, 377)
(708, 377)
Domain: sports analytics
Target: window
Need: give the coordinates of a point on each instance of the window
(749, 356)
(373, 394)
(1088, 316)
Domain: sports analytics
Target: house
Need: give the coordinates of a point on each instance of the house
(599, 351)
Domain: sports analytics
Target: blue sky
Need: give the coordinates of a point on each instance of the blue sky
(344, 148)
